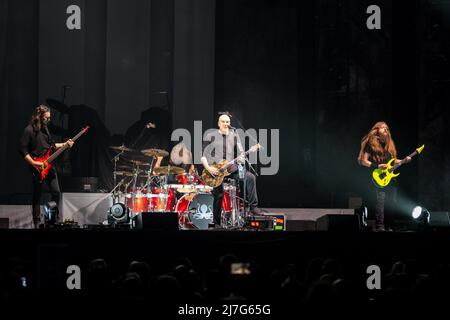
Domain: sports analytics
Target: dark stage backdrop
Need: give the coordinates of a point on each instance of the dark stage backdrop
(313, 70)
(309, 68)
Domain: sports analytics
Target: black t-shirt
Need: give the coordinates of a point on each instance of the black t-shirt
(229, 145)
(35, 142)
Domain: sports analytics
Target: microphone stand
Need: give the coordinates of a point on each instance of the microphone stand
(254, 141)
(246, 209)
(244, 171)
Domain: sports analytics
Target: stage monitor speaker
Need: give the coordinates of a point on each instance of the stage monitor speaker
(4, 223)
(167, 221)
(79, 184)
(439, 219)
(338, 222)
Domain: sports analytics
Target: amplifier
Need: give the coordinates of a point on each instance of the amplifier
(267, 222)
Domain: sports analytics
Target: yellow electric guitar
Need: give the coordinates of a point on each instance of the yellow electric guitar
(382, 177)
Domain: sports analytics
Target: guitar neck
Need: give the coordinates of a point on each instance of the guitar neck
(394, 167)
(234, 160)
(63, 148)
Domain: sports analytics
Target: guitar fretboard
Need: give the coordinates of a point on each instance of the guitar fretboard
(234, 160)
(394, 167)
(63, 148)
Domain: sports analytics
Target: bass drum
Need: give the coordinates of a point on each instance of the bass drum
(195, 211)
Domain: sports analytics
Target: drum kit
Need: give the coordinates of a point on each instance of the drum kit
(146, 188)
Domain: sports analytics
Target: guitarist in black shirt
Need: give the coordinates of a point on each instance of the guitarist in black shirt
(377, 148)
(34, 143)
(221, 144)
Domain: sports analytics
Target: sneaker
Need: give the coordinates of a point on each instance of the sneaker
(379, 229)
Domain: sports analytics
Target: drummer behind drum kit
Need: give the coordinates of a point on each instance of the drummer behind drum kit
(145, 188)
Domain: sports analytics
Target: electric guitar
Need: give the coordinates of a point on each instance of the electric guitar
(382, 177)
(223, 166)
(47, 159)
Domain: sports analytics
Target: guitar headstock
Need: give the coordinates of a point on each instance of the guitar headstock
(255, 147)
(419, 150)
(85, 129)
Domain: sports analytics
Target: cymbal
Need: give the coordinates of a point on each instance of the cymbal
(58, 105)
(124, 167)
(123, 173)
(140, 163)
(129, 174)
(121, 148)
(155, 152)
(168, 170)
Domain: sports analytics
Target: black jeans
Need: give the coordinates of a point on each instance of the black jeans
(382, 198)
(251, 194)
(52, 183)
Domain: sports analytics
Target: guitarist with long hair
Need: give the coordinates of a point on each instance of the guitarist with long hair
(222, 144)
(35, 143)
(377, 149)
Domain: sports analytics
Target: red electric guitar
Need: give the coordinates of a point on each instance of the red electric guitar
(47, 159)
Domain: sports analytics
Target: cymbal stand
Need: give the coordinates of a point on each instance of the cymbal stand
(149, 174)
(113, 192)
(126, 188)
(115, 159)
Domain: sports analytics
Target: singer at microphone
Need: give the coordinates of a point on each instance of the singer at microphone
(227, 140)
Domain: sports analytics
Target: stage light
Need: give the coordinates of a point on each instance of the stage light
(421, 215)
(51, 213)
(362, 213)
(118, 213)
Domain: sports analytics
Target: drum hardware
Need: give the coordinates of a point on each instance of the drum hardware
(121, 149)
(233, 212)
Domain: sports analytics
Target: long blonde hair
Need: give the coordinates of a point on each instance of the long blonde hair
(375, 147)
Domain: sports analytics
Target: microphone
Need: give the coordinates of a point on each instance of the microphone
(231, 127)
(150, 125)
